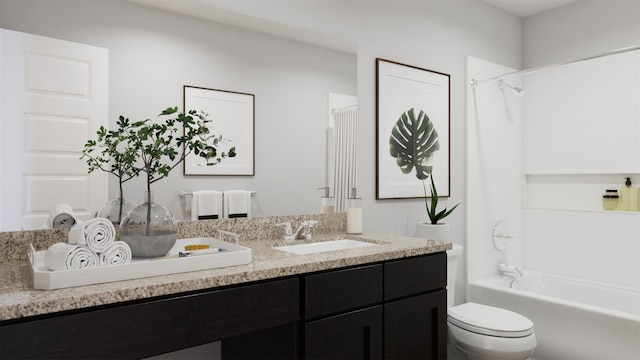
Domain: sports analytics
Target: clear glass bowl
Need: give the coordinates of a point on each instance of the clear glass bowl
(149, 229)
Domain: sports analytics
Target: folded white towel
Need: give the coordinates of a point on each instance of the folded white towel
(237, 203)
(118, 254)
(206, 205)
(97, 234)
(61, 216)
(62, 256)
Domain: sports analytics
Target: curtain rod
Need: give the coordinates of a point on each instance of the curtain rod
(475, 82)
(183, 193)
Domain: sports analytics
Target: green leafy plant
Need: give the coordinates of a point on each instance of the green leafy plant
(163, 145)
(432, 212)
(413, 143)
(111, 153)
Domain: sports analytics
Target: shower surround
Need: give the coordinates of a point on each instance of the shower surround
(541, 163)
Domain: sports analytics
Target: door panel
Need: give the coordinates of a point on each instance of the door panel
(354, 335)
(415, 328)
(54, 98)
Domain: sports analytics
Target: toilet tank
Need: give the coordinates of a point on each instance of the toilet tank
(453, 256)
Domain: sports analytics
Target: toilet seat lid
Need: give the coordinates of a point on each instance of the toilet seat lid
(489, 320)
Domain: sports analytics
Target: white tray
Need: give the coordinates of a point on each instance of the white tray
(230, 255)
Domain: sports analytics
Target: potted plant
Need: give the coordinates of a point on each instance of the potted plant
(116, 157)
(151, 229)
(413, 143)
(435, 229)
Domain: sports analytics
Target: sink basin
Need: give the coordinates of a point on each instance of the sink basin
(333, 245)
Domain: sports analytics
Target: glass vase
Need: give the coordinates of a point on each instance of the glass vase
(149, 229)
(115, 210)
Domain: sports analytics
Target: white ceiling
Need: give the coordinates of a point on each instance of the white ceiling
(524, 8)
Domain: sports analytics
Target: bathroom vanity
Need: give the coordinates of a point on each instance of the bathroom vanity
(383, 301)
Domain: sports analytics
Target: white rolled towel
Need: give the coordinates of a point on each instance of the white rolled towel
(97, 234)
(61, 216)
(118, 254)
(62, 256)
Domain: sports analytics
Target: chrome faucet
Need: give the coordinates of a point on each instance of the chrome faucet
(308, 226)
(304, 231)
(509, 270)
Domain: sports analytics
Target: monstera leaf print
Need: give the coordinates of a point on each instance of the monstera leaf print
(413, 142)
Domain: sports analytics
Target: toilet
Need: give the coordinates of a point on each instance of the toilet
(477, 331)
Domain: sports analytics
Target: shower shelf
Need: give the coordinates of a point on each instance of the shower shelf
(630, 213)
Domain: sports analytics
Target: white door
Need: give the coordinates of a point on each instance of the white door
(53, 99)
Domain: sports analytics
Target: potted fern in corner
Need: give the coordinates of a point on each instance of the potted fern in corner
(413, 143)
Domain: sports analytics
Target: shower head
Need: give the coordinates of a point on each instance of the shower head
(519, 91)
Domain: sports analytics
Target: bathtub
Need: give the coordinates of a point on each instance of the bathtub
(573, 319)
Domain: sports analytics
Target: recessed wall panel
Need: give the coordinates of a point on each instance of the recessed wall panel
(55, 134)
(57, 76)
(54, 165)
(45, 191)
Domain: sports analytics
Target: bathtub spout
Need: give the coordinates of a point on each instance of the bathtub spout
(509, 270)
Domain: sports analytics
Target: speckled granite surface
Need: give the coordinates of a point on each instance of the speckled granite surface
(18, 299)
(14, 245)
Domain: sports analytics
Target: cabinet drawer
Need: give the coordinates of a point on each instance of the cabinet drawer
(342, 290)
(415, 275)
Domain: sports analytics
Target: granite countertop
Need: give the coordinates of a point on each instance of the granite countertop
(18, 298)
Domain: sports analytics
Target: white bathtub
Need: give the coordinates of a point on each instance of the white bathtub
(573, 319)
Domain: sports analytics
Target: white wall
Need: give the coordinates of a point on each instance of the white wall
(581, 137)
(580, 29)
(494, 170)
(573, 135)
(153, 53)
(580, 126)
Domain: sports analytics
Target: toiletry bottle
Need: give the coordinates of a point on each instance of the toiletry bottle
(354, 214)
(633, 196)
(628, 197)
(327, 203)
(610, 200)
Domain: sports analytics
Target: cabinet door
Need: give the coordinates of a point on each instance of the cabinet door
(354, 335)
(416, 327)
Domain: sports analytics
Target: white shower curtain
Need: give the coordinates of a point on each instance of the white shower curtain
(346, 145)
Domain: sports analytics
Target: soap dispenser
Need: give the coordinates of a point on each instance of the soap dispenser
(327, 203)
(628, 197)
(354, 213)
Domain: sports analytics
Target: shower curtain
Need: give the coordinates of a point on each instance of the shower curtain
(346, 144)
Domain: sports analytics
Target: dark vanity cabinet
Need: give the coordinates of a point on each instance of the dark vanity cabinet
(393, 309)
(343, 315)
(415, 309)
